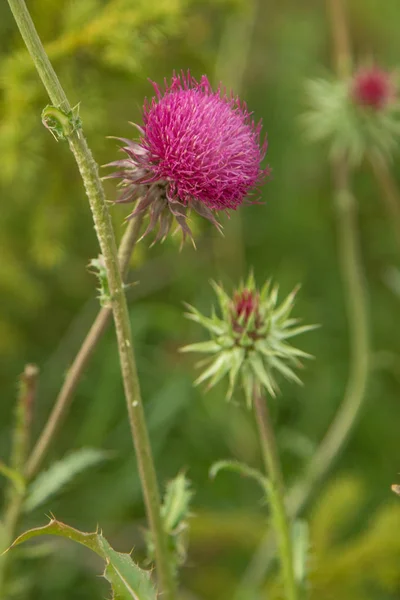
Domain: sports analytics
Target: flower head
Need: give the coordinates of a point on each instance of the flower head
(358, 117)
(372, 88)
(249, 339)
(198, 149)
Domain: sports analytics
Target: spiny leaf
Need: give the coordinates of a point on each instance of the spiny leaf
(127, 580)
(60, 473)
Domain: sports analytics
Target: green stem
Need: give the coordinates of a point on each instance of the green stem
(102, 221)
(353, 282)
(355, 294)
(81, 360)
(15, 494)
(278, 509)
(356, 304)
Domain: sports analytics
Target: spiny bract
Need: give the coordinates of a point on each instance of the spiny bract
(249, 339)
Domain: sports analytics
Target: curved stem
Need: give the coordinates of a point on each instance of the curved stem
(353, 282)
(355, 297)
(81, 360)
(103, 226)
(277, 499)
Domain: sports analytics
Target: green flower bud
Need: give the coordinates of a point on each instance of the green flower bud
(249, 340)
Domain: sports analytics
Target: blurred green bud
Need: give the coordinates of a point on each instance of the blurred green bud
(175, 512)
(249, 339)
(356, 117)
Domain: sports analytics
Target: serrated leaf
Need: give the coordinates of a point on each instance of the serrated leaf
(127, 580)
(50, 482)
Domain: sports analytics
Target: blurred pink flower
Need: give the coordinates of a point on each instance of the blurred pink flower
(198, 149)
(372, 87)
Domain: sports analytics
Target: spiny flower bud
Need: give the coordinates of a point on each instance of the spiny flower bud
(373, 88)
(198, 150)
(249, 339)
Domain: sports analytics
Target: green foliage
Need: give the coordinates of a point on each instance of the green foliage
(50, 482)
(350, 566)
(46, 239)
(353, 554)
(127, 580)
(175, 511)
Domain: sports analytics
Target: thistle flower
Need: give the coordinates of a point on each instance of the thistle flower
(199, 149)
(358, 117)
(249, 339)
(372, 88)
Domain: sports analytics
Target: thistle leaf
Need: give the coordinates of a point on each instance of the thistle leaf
(127, 580)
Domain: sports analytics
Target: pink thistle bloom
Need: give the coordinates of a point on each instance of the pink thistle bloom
(198, 149)
(372, 87)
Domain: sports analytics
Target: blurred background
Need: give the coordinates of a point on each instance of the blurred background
(105, 52)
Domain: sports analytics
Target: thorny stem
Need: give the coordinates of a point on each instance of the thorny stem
(95, 192)
(278, 510)
(20, 443)
(75, 372)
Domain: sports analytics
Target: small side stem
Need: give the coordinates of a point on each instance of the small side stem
(20, 443)
(24, 408)
(105, 234)
(80, 363)
(278, 509)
